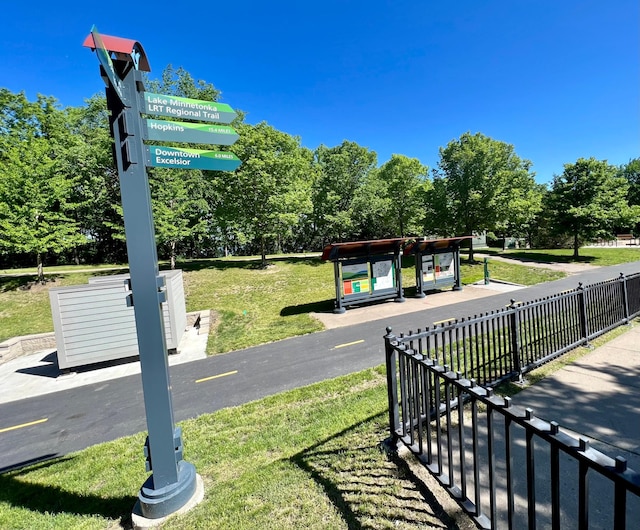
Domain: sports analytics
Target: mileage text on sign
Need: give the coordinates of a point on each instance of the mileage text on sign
(173, 157)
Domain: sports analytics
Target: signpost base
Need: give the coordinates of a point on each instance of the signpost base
(153, 505)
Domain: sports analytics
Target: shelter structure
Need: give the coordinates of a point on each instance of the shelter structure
(437, 263)
(366, 271)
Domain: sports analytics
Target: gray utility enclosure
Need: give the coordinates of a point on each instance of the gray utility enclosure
(94, 323)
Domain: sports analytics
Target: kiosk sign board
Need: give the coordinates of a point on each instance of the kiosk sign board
(368, 277)
(437, 263)
(444, 266)
(355, 279)
(383, 274)
(365, 271)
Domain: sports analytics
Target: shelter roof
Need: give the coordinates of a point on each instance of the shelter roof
(409, 245)
(421, 245)
(356, 249)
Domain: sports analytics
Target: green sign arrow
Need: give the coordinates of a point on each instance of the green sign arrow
(193, 109)
(197, 133)
(183, 158)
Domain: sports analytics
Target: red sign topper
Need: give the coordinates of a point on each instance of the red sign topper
(123, 49)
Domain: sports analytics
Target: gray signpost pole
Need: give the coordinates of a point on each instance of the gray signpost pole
(173, 481)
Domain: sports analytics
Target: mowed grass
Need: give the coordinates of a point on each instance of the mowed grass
(254, 305)
(598, 256)
(508, 272)
(308, 458)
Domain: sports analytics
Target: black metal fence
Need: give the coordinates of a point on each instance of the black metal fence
(474, 450)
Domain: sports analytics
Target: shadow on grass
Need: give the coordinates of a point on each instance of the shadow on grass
(249, 263)
(324, 306)
(543, 257)
(52, 499)
(13, 283)
(43, 461)
(369, 489)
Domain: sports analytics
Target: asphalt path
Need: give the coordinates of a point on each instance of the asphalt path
(57, 424)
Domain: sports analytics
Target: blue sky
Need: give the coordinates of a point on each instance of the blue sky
(558, 79)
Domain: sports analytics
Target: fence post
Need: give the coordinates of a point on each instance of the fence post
(515, 338)
(391, 358)
(584, 325)
(625, 297)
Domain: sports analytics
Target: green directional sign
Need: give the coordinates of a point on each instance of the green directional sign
(183, 158)
(191, 109)
(197, 133)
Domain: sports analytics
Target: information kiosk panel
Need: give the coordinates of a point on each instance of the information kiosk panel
(366, 271)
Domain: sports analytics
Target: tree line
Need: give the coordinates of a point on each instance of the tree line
(60, 198)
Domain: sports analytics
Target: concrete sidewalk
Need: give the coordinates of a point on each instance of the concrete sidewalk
(597, 396)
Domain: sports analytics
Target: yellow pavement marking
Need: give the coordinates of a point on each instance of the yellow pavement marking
(443, 321)
(216, 376)
(348, 344)
(7, 429)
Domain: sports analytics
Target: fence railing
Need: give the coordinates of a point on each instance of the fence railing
(508, 342)
(474, 450)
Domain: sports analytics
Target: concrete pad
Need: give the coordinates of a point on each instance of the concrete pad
(38, 373)
(376, 311)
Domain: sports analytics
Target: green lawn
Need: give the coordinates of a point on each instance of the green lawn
(255, 305)
(597, 256)
(307, 458)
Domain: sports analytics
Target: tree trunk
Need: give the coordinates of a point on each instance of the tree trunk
(172, 256)
(575, 245)
(263, 253)
(40, 268)
(471, 251)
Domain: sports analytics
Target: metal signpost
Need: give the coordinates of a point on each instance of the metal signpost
(173, 482)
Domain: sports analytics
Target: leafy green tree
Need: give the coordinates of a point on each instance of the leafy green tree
(96, 190)
(476, 186)
(179, 82)
(525, 208)
(179, 209)
(589, 200)
(36, 184)
(371, 208)
(406, 184)
(271, 190)
(342, 170)
(631, 172)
